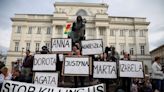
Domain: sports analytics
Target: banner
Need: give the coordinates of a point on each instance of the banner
(104, 69)
(131, 69)
(61, 44)
(11, 86)
(76, 66)
(49, 79)
(92, 47)
(44, 62)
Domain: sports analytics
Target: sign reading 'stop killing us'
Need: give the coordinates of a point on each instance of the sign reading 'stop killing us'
(131, 69)
(61, 44)
(103, 69)
(44, 62)
(91, 47)
(12, 86)
(76, 66)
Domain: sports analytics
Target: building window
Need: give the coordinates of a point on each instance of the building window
(16, 46)
(48, 30)
(90, 32)
(59, 30)
(131, 33)
(81, 12)
(48, 45)
(131, 51)
(28, 46)
(112, 33)
(141, 33)
(122, 46)
(39, 30)
(37, 46)
(102, 31)
(142, 50)
(122, 33)
(19, 29)
(30, 30)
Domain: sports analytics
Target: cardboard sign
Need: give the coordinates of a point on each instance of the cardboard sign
(11, 86)
(49, 79)
(92, 47)
(104, 69)
(61, 44)
(131, 69)
(77, 66)
(44, 62)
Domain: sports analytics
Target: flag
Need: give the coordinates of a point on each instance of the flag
(67, 28)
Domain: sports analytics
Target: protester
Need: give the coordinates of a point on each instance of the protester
(78, 30)
(134, 86)
(157, 74)
(4, 75)
(147, 86)
(16, 76)
(27, 67)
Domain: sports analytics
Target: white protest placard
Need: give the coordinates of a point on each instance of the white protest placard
(76, 66)
(92, 47)
(61, 44)
(46, 78)
(131, 69)
(44, 62)
(104, 69)
(12, 86)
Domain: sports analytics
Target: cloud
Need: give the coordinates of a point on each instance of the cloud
(5, 36)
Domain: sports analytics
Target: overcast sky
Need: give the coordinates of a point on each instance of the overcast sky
(151, 9)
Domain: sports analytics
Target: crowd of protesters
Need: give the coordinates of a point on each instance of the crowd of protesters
(148, 84)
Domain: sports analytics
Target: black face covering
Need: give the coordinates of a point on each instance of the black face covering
(79, 19)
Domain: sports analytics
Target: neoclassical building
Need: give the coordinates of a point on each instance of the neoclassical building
(32, 31)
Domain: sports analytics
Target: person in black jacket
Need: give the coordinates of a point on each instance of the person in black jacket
(78, 30)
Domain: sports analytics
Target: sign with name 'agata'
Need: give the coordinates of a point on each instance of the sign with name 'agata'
(45, 78)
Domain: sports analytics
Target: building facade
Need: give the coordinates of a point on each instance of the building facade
(158, 52)
(32, 31)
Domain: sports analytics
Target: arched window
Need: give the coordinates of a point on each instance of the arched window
(81, 12)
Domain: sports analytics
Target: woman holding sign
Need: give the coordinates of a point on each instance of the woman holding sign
(157, 74)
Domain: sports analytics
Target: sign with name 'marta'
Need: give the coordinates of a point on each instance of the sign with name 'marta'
(91, 47)
(76, 66)
(131, 69)
(11, 86)
(44, 62)
(104, 69)
(49, 79)
(61, 44)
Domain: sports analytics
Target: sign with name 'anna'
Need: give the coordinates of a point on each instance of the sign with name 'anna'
(61, 44)
(131, 69)
(92, 47)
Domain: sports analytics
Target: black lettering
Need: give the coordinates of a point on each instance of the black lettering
(23, 87)
(79, 90)
(100, 89)
(31, 89)
(42, 90)
(7, 87)
(14, 86)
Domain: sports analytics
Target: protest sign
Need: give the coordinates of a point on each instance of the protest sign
(104, 69)
(91, 47)
(61, 45)
(49, 79)
(11, 86)
(131, 69)
(77, 66)
(44, 62)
